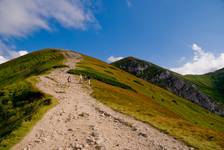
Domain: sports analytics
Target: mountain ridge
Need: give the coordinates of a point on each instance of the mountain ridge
(81, 119)
(210, 83)
(110, 86)
(169, 80)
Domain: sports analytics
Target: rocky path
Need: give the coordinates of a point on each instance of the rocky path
(79, 122)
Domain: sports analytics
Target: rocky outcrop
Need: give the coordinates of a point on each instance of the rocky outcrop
(79, 122)
(169, 80)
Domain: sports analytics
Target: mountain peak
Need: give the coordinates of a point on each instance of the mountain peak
(171, 81)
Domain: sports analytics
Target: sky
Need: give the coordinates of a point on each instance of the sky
(186, 36)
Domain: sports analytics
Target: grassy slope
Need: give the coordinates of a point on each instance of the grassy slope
(211, 84)
(156, 106)
(21, 104)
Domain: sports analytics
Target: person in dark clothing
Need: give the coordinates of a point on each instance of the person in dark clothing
(69, 79)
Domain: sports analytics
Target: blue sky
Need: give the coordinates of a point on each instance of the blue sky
(161, 31)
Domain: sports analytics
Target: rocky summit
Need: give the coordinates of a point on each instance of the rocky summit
(171, 81)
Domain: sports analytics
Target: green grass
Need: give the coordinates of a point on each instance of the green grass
(211, 84)
(21, 103)
(12, 131)
(138, 82)
(149, 103)
(60, 66)
(100, 77)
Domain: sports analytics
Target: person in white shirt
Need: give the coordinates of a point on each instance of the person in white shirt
(80, 78)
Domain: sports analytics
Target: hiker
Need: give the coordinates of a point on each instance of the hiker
(85, 78)
(69, 79)
(80, 78)
(89, 80)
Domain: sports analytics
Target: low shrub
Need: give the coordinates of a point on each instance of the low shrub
(100, 77)
(17, 102)
(138, 82)
(47, 101)
(108, 72)
(112, 67)
(60, 66)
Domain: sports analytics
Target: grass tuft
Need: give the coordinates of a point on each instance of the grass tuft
(151, 104)
(100, 77)
(138, 82)
(21, 103)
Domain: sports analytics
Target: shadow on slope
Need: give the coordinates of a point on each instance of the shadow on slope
(156, 106)
(21, 103)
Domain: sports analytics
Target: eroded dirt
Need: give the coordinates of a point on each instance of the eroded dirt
(80, 122)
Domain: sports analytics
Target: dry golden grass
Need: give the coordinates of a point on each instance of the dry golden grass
(158, 107)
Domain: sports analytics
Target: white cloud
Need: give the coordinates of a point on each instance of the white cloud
(6, 50)
(23, 52)
(3, 59)
(7, 53)
(113, 59)
(20, 18)
(15, 55)
(202, 62)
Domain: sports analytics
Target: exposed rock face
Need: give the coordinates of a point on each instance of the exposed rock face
(79, 122)
(169, 80)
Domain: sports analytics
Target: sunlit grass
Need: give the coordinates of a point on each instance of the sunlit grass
(211, 84)
(171, 114)
(21, 103)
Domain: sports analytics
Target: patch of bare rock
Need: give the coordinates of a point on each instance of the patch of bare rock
(79, 122)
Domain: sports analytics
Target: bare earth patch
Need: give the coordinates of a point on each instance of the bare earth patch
(80, 122)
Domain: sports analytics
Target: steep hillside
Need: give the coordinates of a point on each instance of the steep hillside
(21, 103)
(80, 122)
(151, 104)
(211, 83)
(171, 81)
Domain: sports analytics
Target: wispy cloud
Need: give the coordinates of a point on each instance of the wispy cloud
(182, 59)
(202, 62)
(7, 53)
(3, 59)
(20, 18)
(129, 3)
(113, 59)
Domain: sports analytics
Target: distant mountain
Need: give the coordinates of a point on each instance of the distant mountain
(206, 90)
(22, 103)
(212, 84)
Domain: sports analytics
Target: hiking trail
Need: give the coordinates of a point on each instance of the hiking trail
(79, 122)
